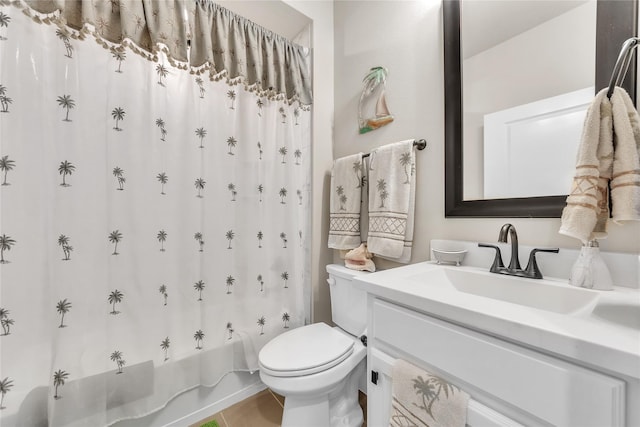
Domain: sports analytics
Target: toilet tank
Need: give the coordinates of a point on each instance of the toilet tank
(348, 304)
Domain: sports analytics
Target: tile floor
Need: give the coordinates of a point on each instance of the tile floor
(263, 409)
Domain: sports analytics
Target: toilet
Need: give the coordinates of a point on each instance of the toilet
(318, 368)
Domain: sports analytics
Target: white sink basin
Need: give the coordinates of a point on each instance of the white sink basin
(541, 294)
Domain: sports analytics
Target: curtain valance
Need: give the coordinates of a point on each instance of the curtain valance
(222, 43)
(228, 45)
(147, 24)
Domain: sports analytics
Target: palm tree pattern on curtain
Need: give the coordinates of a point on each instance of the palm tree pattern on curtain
(4, 22)
(5, 386)
(119, 56)
(59, 378)
(199, 286)
(163, 131)
(125, 201)
(5, 100)
(63, 241)
(67, 103)
(6, 321)
(201, 133)
(163, 292)
(230, 329)
(6, 242)
(6, 165)
(116, 357)
(118, 115)
(164, 345)
(63, 308)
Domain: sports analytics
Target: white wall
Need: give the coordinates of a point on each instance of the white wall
(406, 37)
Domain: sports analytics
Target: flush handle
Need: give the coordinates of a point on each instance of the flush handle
(331, 281)
(374, 377)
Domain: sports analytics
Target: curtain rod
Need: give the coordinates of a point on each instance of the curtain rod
(420, 144)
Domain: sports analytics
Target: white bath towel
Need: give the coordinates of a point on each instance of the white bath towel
(391, 201)
(422, 399)
(607, 159)
(345, 202)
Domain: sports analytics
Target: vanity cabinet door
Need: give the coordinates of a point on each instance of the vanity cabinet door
(544, 390)
(379, 398)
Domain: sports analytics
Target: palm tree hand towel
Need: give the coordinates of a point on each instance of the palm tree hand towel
(422, 399)
(608, 160)
(392, 201)
(345, 201)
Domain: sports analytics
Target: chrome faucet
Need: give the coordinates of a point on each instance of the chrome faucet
(531, 271)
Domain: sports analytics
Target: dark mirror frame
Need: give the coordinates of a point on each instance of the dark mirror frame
(616, 21)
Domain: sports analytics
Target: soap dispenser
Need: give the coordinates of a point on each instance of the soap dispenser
(589, 270)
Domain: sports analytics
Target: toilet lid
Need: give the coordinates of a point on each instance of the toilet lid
(304, 351)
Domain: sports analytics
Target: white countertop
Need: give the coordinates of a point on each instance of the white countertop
(605, 336)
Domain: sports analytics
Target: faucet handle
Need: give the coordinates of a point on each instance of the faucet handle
(532, 269)
(497, 261)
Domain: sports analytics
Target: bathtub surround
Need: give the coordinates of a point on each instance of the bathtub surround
(129, 225)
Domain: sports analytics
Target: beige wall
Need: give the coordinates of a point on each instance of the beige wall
(406, 37)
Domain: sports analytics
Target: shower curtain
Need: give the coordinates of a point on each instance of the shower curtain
(154, 203)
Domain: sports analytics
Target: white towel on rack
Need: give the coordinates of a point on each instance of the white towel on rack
(608, 158)
(625, 177)
(419, 398)
(345, 202)
(392, 201)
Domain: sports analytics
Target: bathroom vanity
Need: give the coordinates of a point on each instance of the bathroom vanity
(528, 352)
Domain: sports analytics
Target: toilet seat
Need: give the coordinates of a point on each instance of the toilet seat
(304, 351)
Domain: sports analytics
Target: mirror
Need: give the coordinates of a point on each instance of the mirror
(614, 22)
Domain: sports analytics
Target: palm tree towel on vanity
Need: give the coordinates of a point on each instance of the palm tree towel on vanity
(420, 398)
(391, 201)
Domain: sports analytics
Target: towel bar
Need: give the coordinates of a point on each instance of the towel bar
(420, 144)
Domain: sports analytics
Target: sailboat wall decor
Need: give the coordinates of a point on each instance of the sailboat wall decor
(374, 89)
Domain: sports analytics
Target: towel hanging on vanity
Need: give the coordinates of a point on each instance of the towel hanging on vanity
(392, 201)
(419, 398)
(608, 160)
(345, 201)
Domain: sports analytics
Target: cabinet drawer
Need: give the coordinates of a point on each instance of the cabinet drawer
(554, 391)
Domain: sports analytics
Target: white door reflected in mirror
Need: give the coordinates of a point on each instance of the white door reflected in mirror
(530, 150)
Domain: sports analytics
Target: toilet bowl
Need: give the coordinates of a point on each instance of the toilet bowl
(318, 368)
